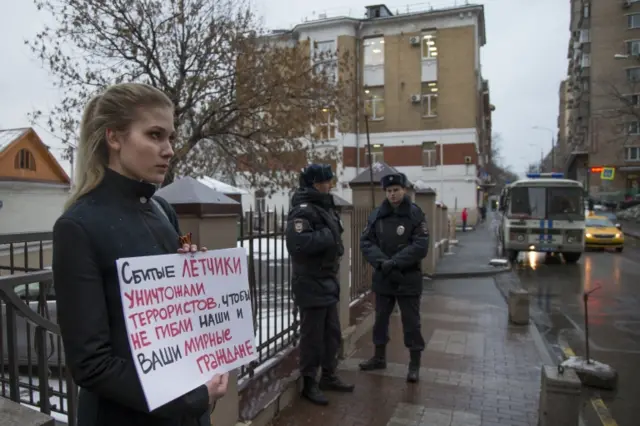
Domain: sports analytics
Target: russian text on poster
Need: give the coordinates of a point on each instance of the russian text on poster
(188, 317)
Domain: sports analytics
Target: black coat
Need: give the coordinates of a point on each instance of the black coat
(113, 221)
(399, 234)
(314, 241)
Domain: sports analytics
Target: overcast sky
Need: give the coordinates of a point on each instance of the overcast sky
(524, 60)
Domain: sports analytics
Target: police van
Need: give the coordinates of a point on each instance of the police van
(543, 213)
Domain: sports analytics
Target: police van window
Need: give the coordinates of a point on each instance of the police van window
(530, 201)
(564, 201)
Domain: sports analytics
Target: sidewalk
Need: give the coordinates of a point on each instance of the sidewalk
(631, 229)
(471, 255)
(476, 370)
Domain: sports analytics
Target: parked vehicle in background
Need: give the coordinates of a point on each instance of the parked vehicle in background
(543, 212)
(601, 233)
(25, 333)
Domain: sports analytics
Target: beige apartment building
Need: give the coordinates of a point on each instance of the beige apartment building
(602, 99)
(418, 78)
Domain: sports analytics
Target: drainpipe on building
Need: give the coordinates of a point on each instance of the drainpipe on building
(442, 173)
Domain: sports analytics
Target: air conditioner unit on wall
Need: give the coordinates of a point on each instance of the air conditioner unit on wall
(467, 159)
(414, 41)
(416, 99)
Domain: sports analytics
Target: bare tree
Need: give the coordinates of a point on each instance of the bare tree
(500, 173)
(244, 103)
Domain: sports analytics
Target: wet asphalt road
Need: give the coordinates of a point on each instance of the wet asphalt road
(614, 317)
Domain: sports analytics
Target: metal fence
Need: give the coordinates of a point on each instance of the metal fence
(274, 313)
(361, 270)
(32, 369)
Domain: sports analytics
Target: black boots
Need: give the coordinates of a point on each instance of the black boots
(331, 382)
(312, 392)
(413, 375)
(377, 362)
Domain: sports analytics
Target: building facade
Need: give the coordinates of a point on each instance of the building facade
(603, 96)
(421, 102)
(33, 185)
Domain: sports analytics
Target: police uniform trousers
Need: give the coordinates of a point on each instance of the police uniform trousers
(409, 314)
(320, 339)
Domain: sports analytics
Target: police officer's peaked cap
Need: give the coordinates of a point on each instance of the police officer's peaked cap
(394, 179)
(315, 173)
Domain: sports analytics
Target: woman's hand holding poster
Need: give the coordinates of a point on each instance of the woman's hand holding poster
(188, 317)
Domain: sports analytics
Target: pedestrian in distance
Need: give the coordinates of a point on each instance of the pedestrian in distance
(314, 241)
(465, 215)
(124, 151)
(394, 242)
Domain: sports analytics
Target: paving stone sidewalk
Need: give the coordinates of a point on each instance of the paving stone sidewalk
(476, 369)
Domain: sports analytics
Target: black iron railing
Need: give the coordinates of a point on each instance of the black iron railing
(32, 369)
(361, 271)
(275, 315)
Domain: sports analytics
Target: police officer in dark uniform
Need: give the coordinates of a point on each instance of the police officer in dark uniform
(314, 240)
(395, 241)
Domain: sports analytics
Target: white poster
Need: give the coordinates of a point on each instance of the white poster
(188, 317)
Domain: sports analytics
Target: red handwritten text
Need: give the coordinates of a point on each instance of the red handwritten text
(149, 316)
(174, 329)
(211, 266)
(158, 295)
(219, 357)
(140, 340)
(206, 341)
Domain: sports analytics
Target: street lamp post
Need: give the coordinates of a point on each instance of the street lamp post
(552, 153)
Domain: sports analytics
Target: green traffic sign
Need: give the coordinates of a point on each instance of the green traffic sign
(607, 173)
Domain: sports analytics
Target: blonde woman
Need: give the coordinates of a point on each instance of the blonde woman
(123, 153)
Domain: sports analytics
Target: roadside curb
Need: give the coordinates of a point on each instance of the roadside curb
(469, 274)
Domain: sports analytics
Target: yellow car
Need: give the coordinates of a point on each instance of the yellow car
(600, 232)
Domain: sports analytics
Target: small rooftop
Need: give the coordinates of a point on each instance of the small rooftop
(7, 136)
(380, 12)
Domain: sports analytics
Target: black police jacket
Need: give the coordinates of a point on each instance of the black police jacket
(400, 235)
(115, 220)
(314, 241)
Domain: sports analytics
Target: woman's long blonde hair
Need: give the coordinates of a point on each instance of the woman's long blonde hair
(114, 109)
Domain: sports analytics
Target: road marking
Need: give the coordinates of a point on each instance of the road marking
(566, 350)
(598, 404)
(603, 412)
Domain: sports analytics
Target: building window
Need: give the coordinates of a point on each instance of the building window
(430, 99)
(429, 46)
(377, 153)
(325, 59)
(633, 74)
(374, 51)
(633, 20)
(633, 128)
(585, 37)
(24, 160)
(585, 61)
(327, 129)
(429, 156)
(632, 153)
(633, 47)
(632, 100)
(260, 201)
(586, 11)
(374, 103)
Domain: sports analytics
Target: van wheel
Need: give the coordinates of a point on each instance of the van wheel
(619, 249)
(512, 255)
(571, 257)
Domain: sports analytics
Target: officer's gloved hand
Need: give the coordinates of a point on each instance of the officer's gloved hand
(387, 266)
